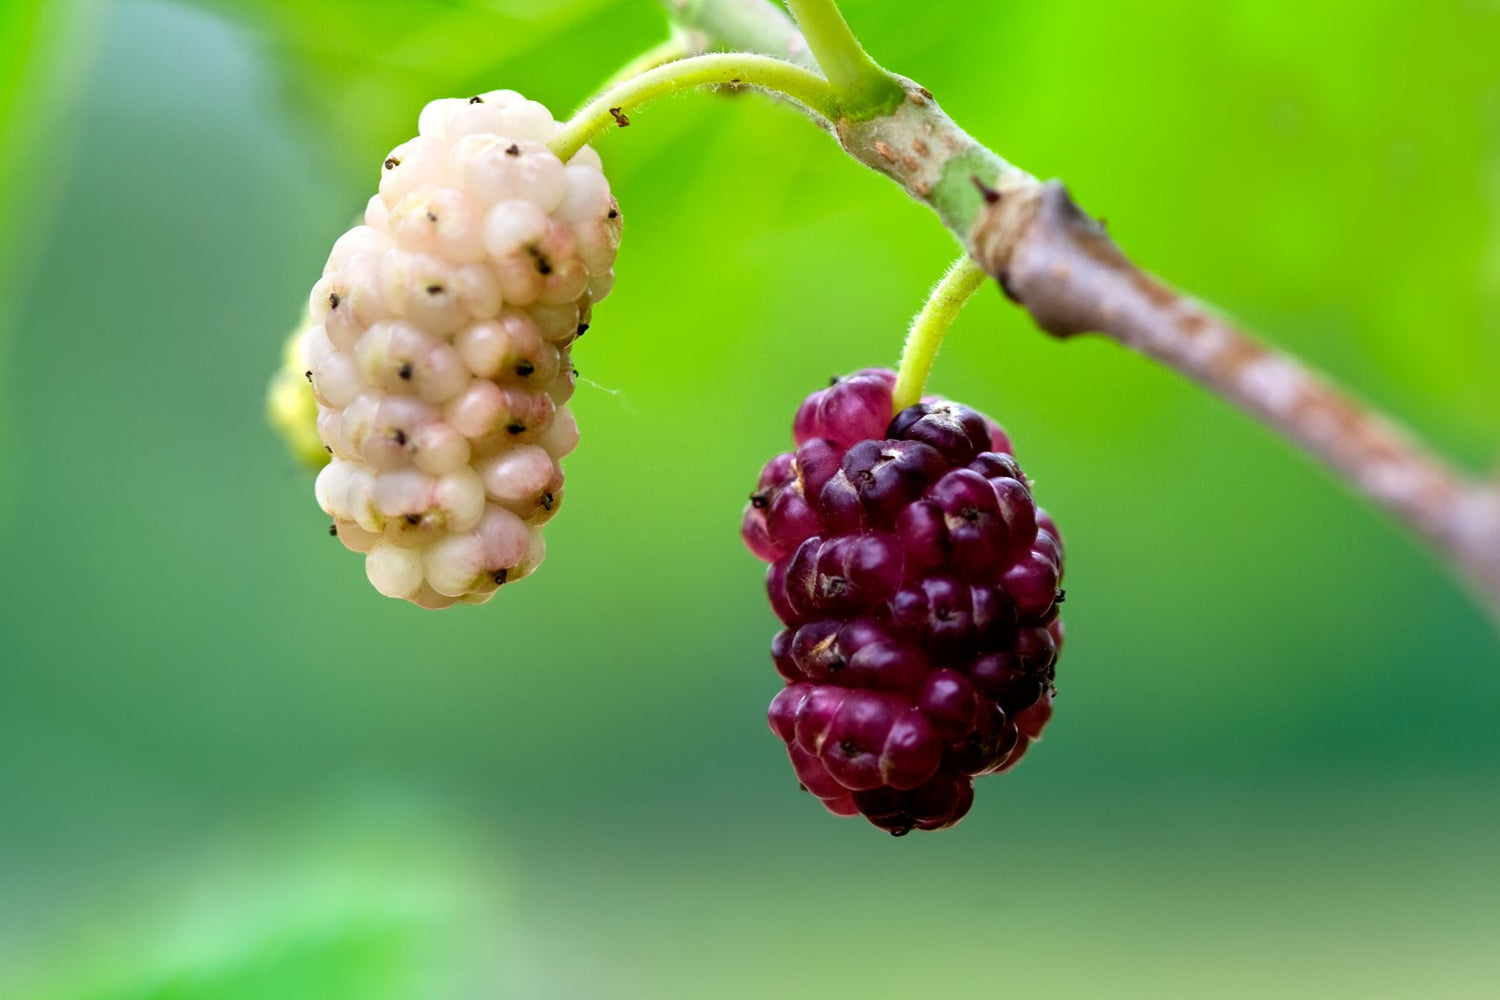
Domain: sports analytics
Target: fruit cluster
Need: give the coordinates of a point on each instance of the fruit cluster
(440, 348)
(918, 585)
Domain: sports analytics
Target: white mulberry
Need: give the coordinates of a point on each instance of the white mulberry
(439, 350)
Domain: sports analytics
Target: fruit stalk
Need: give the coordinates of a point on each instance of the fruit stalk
(1059, 265)
(609, 109)
(926, 335)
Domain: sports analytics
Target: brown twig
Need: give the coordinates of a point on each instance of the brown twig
(1059, 265)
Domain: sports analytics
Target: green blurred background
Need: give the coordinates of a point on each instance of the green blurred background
(229, 769)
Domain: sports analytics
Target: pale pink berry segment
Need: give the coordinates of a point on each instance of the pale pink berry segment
(440, 350)
(919, 586)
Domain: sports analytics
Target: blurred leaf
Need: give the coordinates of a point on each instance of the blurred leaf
(45, 51)
(1332, 180)
(382, 904)
(359, 72)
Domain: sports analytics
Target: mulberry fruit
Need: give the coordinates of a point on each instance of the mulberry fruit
(918, 584)
(440, 350)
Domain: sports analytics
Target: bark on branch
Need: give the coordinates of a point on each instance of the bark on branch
(1058, 264)
(1062, 268)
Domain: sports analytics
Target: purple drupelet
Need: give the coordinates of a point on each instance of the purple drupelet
(918, 584)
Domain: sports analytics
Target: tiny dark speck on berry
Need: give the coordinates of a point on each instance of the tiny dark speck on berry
(405, 370)
(412, 518)
(516, 428)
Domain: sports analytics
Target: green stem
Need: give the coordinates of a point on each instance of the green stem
(865, 90)
(793, 82)
(943, 306)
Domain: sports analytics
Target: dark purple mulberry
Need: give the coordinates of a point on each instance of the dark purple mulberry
(919, 586)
